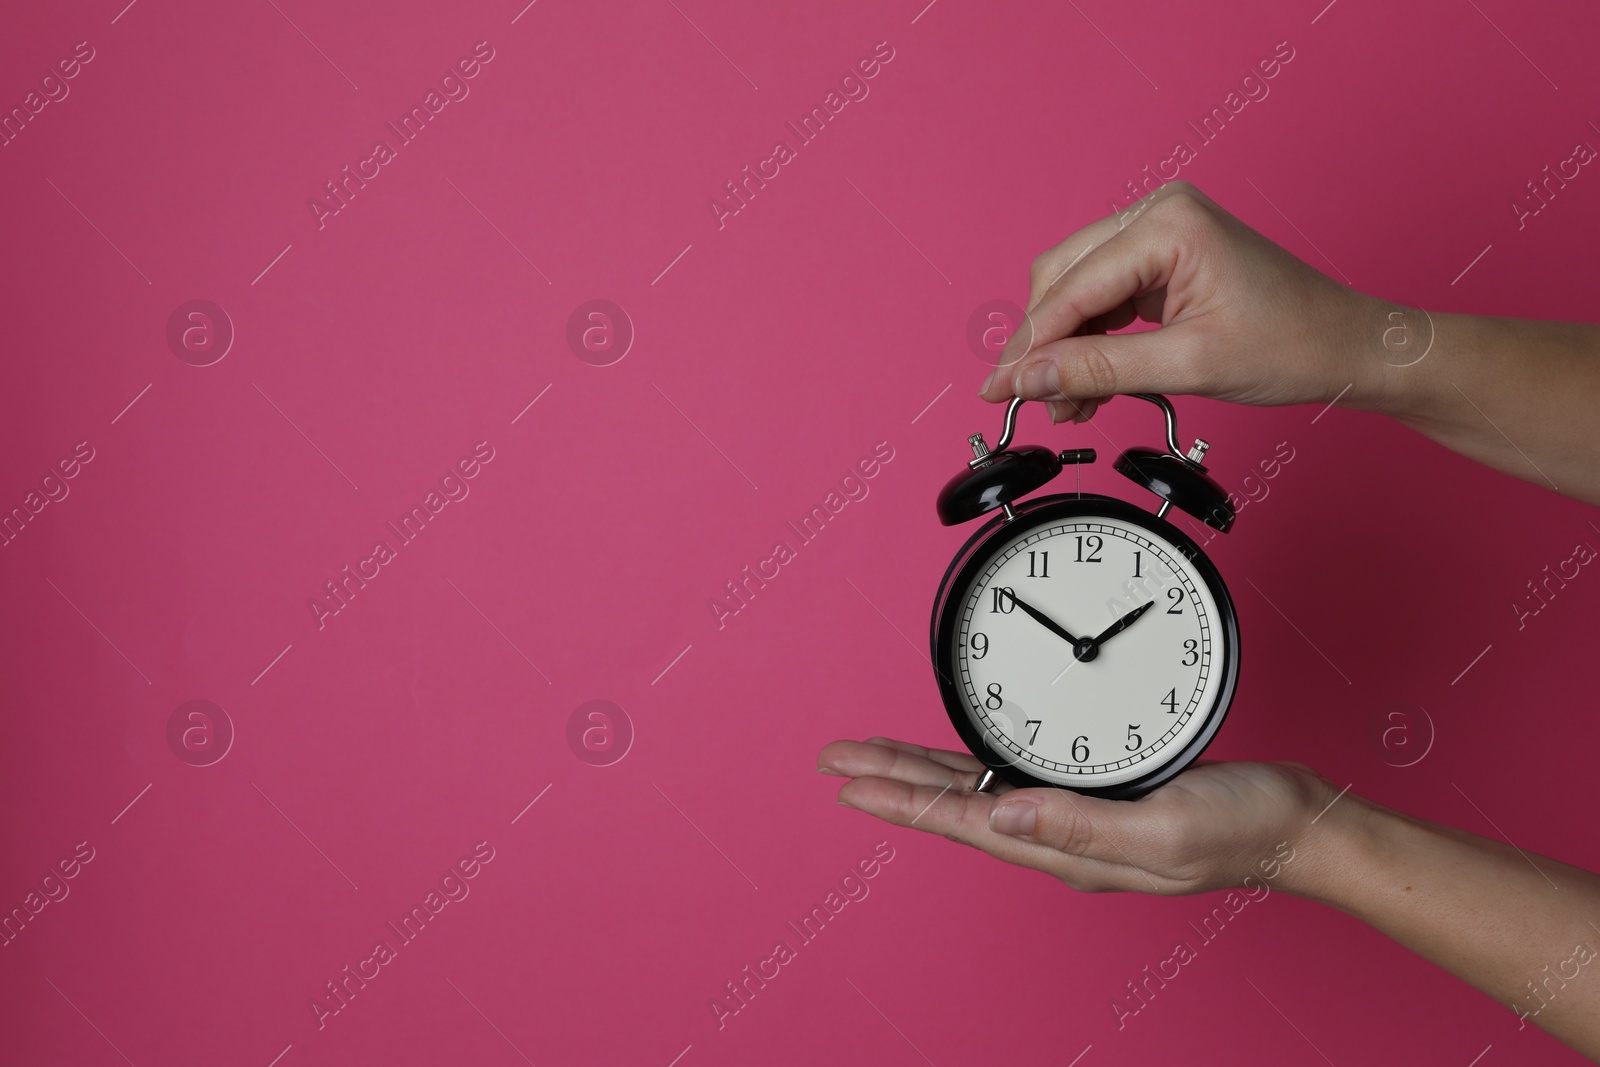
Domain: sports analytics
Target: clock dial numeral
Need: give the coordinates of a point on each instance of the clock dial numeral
(1017, 669)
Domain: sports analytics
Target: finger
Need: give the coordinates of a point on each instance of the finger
(1113, 277)
(1077, 825)
(1102, 365)
(1082, 409)
(961, 761)
(1074, 410)
(1046, 269)
(857, 759)
(1130, 266)
(1118, 317)
(1087, 408)
(1151, 306)
(1051, 264)
(965, 817)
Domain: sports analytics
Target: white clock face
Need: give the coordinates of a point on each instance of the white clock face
(1048, 677)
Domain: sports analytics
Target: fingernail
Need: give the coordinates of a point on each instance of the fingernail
(830, 770)
(1017, 818)
(984, 388)
(847, 804)
(1039, 380)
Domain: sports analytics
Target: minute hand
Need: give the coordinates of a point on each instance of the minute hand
(1123, 623)
(1044, 620)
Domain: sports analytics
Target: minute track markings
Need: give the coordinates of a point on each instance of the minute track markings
(1178, 574)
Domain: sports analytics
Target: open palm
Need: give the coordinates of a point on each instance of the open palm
(1206, 829)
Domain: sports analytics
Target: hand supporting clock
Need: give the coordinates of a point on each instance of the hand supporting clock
(1266, 827)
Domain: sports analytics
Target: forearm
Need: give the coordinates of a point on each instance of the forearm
(1519, 395)
(1517, 926)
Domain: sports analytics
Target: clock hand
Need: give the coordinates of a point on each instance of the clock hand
(1044, 620)
(1123, 623)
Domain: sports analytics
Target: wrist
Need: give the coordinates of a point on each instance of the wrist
(1335, 850)
(1390, 352)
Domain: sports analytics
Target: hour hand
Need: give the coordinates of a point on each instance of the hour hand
(1123, 623)
(1043, 619)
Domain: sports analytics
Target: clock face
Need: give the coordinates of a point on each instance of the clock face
(1088, 650)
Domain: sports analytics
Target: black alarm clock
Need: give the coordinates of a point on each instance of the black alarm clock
(1079, 640)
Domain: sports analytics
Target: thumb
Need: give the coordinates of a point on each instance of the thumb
(1070, 823)
(1163, 360)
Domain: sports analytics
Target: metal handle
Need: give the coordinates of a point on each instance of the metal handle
(982, 454)
(1010, 427)
(1172, 420)
(1008, 431)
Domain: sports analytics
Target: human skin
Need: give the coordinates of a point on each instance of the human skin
(1243, 320)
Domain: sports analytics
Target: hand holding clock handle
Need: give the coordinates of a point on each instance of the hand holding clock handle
(1254, 828)
(1231, 304)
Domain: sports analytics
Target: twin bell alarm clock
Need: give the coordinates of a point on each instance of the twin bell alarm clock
(1080, 640)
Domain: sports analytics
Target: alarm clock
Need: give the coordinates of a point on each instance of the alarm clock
(1079, 640)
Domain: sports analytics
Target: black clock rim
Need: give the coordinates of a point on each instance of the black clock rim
(1040, 512)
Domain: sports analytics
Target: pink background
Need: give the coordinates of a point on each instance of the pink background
(372, 754)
